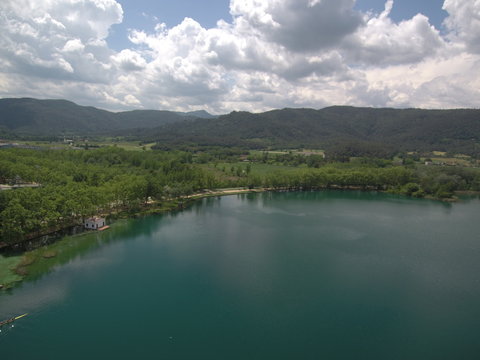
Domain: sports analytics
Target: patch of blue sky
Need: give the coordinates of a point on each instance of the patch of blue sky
(406, 9)
(145, 14)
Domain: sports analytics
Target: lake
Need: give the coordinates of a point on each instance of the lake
(296, 275)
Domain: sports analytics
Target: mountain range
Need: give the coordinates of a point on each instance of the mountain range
(402, 129)
(26, 116)
(396, 129)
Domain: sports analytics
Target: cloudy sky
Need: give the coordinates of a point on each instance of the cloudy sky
(254, 55)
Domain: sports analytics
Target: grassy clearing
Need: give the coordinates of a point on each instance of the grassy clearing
(451, 161)
(44, 144)
(128, 145)
(8, 276)
(258, 169)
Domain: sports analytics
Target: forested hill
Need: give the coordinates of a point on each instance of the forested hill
(25, 116)
(408, 129)
(367, 128)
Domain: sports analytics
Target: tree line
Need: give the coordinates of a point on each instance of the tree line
(78, 184)
(75, 184)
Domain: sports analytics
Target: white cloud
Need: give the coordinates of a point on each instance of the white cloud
(464, 22)
(74, 45)
(129, 60)
(131, 100)
(57, 38)
(298, 25)
(383, 42)
(273, 54)
(450, 82)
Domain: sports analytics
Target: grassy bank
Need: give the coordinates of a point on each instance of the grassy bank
(33, 264)
(8, 275)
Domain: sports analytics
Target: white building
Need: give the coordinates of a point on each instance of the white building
(94, 223)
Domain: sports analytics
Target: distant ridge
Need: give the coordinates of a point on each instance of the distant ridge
(27, 116)
(201, 114)
(405, 129)
(400, 129)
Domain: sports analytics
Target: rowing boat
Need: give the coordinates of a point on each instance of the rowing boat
(9, 321)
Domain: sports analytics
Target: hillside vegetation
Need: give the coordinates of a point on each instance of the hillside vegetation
(367, 130)
(26, 116)
(340, 129)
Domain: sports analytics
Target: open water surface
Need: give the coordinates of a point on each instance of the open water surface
(320, 275)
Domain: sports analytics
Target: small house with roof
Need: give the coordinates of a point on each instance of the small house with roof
(94, 223)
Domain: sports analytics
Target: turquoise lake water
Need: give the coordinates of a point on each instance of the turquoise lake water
(320, 275)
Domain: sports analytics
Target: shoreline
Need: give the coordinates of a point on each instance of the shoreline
(20, 255)
(158, 207)
(19, 271)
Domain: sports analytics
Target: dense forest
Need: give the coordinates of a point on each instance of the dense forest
(25, 117)
(365, 130)
(74, 184)
(77, 184)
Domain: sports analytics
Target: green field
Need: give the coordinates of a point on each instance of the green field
(60, 144)
(224, 169)
(128, 145)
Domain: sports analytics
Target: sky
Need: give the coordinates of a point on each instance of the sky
(252, 55)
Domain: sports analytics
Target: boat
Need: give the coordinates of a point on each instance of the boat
(9, 321)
